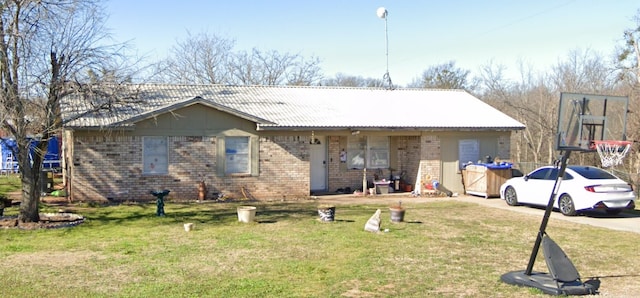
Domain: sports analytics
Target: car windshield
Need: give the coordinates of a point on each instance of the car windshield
(593, 173)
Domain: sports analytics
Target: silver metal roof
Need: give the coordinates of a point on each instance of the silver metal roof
(283, 107)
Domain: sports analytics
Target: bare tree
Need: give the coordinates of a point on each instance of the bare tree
(529, 101)
(199, 59)
(344, 80)
(443, 76)
(210, 59)
(46, 51)
(584, 72)
(273, 68)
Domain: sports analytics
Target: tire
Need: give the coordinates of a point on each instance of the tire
(565, 204)
(613, 211)
(510, 196)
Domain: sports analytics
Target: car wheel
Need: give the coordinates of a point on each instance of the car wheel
(613, 211)
(565, 204)
(510, 196)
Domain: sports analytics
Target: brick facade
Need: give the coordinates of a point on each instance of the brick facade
(110, 167)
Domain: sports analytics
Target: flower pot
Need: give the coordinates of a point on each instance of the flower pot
(327, 213)
(246, 213)
(397, 214)
(188, 227)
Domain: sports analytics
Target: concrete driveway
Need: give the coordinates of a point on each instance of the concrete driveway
(621, 222)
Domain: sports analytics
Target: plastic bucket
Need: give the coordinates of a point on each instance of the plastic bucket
(188, 227)
(246, 213)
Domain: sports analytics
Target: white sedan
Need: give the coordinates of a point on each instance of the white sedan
(582, 188)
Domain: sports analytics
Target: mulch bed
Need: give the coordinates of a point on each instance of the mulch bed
(47, 221)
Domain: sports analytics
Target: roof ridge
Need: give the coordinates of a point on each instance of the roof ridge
(289, 87)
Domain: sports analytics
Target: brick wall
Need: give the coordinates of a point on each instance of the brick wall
(504, 147)
(111, 167)
(407, 153)
(429, 160)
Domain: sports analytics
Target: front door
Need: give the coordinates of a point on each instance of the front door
(451, 176)
(318, 164)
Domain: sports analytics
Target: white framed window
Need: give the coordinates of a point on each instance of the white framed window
(237, 155)
(155, 155)
(370, 152)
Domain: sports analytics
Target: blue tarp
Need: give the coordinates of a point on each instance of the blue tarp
(502, 165)
(52, 157)
(9, 159)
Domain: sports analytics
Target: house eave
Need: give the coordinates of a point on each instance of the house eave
(101, 128)
(356, 128)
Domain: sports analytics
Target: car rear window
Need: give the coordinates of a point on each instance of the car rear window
(593, 173)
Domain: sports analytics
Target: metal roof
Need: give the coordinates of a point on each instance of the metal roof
(294, 108)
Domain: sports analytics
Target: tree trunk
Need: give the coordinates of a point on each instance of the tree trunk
(30, 166)
(29, 211)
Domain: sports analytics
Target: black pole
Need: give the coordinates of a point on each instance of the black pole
(547, 212)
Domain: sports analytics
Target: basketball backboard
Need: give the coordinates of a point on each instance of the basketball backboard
(584, 118)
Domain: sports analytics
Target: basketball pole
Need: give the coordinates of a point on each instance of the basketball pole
(547, 212)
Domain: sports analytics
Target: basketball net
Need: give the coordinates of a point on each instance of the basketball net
(612, 152)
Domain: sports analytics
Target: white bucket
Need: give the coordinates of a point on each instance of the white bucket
(246, 213)
(188, 227)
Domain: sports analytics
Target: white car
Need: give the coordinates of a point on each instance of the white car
(582, 188)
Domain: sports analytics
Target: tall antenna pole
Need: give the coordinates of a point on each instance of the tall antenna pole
(383, 13)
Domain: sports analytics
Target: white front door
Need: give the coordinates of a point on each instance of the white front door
(318, 164)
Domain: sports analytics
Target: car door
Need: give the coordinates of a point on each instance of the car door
(536, 187)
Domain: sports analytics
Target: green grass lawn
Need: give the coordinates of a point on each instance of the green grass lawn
(9, 183)
(443, 249)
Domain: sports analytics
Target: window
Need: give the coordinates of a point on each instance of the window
(155, 155)
(356, 148)
(378, 152)
(593, 173)
(238, 155)
(548, 174)
(370, 152)
(540, 174)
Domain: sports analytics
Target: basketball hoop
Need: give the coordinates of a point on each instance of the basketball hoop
(611, 152)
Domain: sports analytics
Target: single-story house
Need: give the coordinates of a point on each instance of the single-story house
(273, 142)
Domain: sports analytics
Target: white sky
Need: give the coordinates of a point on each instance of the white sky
(349, 38)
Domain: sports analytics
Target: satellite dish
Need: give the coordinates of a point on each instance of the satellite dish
(381, 12)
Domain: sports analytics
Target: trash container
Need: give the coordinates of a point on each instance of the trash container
(382, 187)
(485, 179)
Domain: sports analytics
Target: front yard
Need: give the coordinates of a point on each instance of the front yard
(443, 249)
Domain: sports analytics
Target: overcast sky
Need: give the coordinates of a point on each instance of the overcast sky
(348, 37)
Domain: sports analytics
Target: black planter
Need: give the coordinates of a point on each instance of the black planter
(327, 213)
(397, 214)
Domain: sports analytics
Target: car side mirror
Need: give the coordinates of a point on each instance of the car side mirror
(526, 178)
